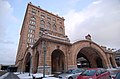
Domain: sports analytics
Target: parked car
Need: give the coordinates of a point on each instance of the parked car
(71, 74)
(113, 72)
(117, 76)
(95, 73)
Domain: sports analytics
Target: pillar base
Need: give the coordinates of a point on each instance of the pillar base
(47, 70)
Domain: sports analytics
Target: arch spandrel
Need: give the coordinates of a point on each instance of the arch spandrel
(77, 46)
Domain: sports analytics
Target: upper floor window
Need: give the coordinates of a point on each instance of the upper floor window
(61, 29)
(32, 27)
(30, 35)
(49, 19)
(54, 21)
(42, 16)
(60, 22)
(42, 23)
(33, 11)
(33, 18)
(31, 31)
(54, 27)
(48, 25)
(32, 22)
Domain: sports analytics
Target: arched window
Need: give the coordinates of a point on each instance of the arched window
(42, 23)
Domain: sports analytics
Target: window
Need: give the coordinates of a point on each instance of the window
(33, 11)
(30, 40)
(49, 19)
(54, 20)
(48, 25)
(33, 18)
(60, 22)
(32, 27)
(42, 16)
(61, 29)
(54, 27)
(30, 35)
(32, 22)
(42, 23)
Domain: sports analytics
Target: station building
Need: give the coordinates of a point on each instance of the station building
(42, 37)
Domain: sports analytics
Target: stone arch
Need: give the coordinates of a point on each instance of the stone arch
(57, 61)
(89, 45)
(27, 61)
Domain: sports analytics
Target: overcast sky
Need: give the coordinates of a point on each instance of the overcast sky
(99, 18)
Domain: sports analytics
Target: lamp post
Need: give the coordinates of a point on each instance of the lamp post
(44, 50)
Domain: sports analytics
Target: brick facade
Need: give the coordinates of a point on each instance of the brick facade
(40, 28)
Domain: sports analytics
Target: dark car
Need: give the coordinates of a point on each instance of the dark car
(95, 73)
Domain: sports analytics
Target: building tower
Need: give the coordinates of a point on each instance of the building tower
(37, 20)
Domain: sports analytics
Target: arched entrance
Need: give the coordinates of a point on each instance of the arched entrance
(82, 61)
(89, 57)
(36, 61)
(58, 61)
(27, 62)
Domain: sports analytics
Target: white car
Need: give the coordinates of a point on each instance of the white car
(71, 74)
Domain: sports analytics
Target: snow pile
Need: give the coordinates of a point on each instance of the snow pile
(25, 76)
(37, 75)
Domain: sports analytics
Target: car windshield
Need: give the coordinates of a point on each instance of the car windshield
(70, 71)
(74, 71)
(88, 73)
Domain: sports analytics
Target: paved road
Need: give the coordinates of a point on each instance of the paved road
(10, 75)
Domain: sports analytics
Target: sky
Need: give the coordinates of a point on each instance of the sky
(99, 18)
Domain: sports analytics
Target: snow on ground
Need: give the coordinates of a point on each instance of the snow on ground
(25, 76)
(37, 75)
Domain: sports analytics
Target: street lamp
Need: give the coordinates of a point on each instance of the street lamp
(44, 50)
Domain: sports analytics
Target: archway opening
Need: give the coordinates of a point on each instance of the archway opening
(82, 61)
(89, 57)
(36, 61)
(27, 63)
(58, 62)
